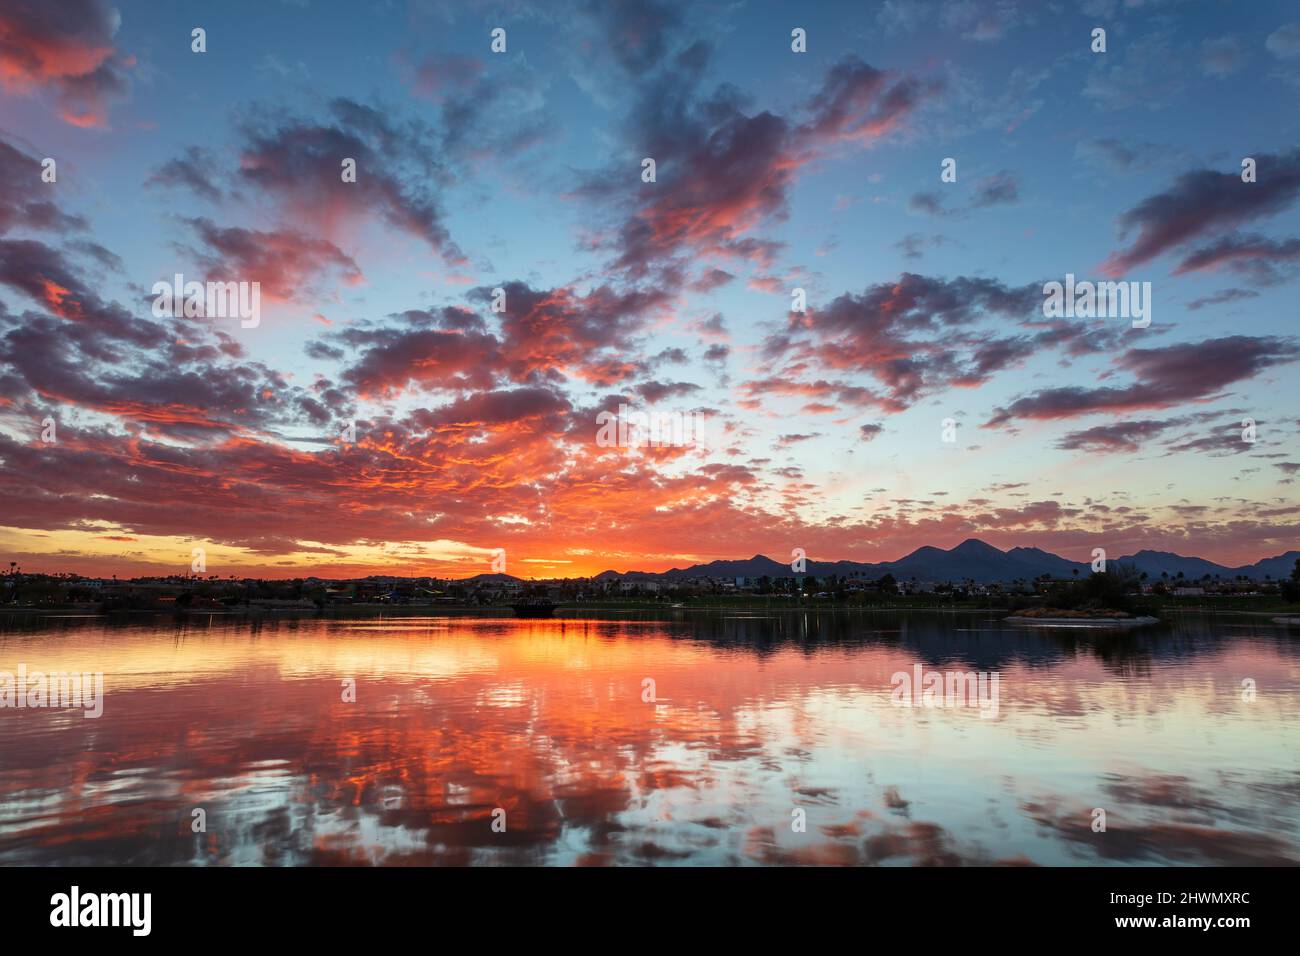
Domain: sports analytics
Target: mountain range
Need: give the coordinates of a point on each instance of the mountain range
(977, 561)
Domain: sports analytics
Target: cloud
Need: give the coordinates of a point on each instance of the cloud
(482, 114)
(999, 189)
(1142, 72)
(296, 165)
(1284, 42)
(911, 245)
(284, 262)
(20, 181)
(1120, 436)
(902, 16)
(1226, 440)
(426, 350)
(67, 47)
(1222, 56)
(1123, 156)
(1165, 377)
(860, 103)
(654, 392)
(196, 171)
(909, 335)
(48, 279)
(550, 334)
(1265, 261)
(1223, 298)
(927, 203)
(722, 168)
(1134, 436)
(493, 409)
(983, 20)
(75, 350)
(639, 36)
(1205, 201)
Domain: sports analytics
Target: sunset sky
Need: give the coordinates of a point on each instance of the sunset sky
(522, 170)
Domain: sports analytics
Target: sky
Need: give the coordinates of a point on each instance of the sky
(437, 340)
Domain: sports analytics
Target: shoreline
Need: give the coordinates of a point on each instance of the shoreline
(1283, 616)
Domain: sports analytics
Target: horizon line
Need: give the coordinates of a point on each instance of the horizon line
(610, 570)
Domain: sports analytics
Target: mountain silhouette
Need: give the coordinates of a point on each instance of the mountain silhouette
(977, 561)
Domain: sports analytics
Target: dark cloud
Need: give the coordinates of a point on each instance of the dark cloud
(48, 279)
(1223, 298)
(297, 165)
(910, 335)
(25, 200)
(911, 245)
(1205, 201)
(1264, 261)
(1120, 436)
(928, 203)
(861, 103)
(78, 350)
(1165, 377)
(419, 351)
(999, 189)
(1225, 440)
(660, 391)
(196, 171)
(494, 408)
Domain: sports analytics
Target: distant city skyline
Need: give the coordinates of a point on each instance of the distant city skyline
(861, 337)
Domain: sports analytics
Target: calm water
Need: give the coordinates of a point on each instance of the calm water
(756, 717)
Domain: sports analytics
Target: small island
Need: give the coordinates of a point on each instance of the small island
(1056, 615)
(1109, 598)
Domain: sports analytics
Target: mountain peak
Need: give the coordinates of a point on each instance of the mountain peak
(975, 546)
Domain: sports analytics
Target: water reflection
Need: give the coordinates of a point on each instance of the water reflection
(756, 716)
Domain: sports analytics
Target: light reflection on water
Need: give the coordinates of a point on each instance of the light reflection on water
(756, 715)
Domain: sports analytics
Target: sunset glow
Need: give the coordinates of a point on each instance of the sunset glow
(439, 336)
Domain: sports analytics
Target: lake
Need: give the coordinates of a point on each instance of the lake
(689, 737)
